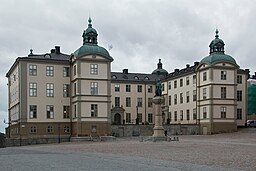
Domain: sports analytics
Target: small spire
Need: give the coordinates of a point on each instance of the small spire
(159, 65)
(217, 32)
(31, 52)
(90, 22)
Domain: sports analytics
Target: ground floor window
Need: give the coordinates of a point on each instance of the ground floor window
(150, 117)
(66, 129)
(128, 117)
(32, 129)
(49, 129)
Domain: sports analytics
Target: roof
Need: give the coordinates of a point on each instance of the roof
(134, 77)
(53, 56)
(87, 49)
(217, 57)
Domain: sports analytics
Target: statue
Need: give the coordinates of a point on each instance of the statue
(158, 91)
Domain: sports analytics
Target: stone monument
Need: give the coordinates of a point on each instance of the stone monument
(158, 100)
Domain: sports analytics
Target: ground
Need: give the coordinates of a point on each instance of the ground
(231, 151)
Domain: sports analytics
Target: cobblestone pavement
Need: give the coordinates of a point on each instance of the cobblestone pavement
(232, 151)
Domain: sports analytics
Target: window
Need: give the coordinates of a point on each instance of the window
(66, 90)
(239, 113)
(136, 78)
(181, 98)
(188, 114)
(162, 87)
(128, 117)
(32, 89)
(139, 102)
(74, 70)
(49, 129)
(204, 93)
(128, 101)
(117, 87)
(239, 95)
(94, 69)
(66, 129)
(150, 89)
(175, 99)
(65, 71)
(50, 111)
(194, 114)
(194, 95)
(181, 115)
(187, 96)
(187, 80)
(74, 88)
(150, 102)
(75, 111)
(94, 88)
(49, 71)
(32, 70)
(139, 88)
(128, 88)
(204, 113)
(181, 82)
(175, 84)
(223, 92)
(170, 85)
(32, 129)
(49, 90)
(175, 115)
(223, 75)
(140, 117)
(150, 118)
(94, 110)
(204, 76)
(32, 111)
(117, 101)
(170, 100)
(239, 79)
(65, 112)
(194, 79)
(223, 112)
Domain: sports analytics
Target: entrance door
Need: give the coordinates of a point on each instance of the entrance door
(117, 119)
(204, 130)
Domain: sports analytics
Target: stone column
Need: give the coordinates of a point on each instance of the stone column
(158, 128)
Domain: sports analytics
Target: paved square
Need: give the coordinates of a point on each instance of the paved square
(232, 151)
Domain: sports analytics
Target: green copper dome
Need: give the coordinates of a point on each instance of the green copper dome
(90, 44)
(217, 57)
(217, 54)
(160, 70)
(87, 49)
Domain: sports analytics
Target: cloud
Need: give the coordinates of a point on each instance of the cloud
(141, 32)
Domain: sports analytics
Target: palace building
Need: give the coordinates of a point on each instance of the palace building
(55, 94)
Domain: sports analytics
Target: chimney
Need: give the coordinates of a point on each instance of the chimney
(176, 70)
(125, 71)
(52, 50)
(187, 65)
(196, 63)
(57, 49)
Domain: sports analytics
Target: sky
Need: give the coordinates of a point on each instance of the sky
(139, 32)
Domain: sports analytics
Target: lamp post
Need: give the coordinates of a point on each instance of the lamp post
(59, 132)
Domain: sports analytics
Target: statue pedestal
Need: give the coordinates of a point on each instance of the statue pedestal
(158, 128)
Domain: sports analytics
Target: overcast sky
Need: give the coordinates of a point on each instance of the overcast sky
(140, 31)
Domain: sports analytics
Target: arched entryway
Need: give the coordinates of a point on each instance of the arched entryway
(117, 119)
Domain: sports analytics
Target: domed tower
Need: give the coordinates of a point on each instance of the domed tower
(160, 70)
(91, 86)
(216, 90)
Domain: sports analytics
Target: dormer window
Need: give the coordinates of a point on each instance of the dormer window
(146, 78)
(113, 76)
(136, 77)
